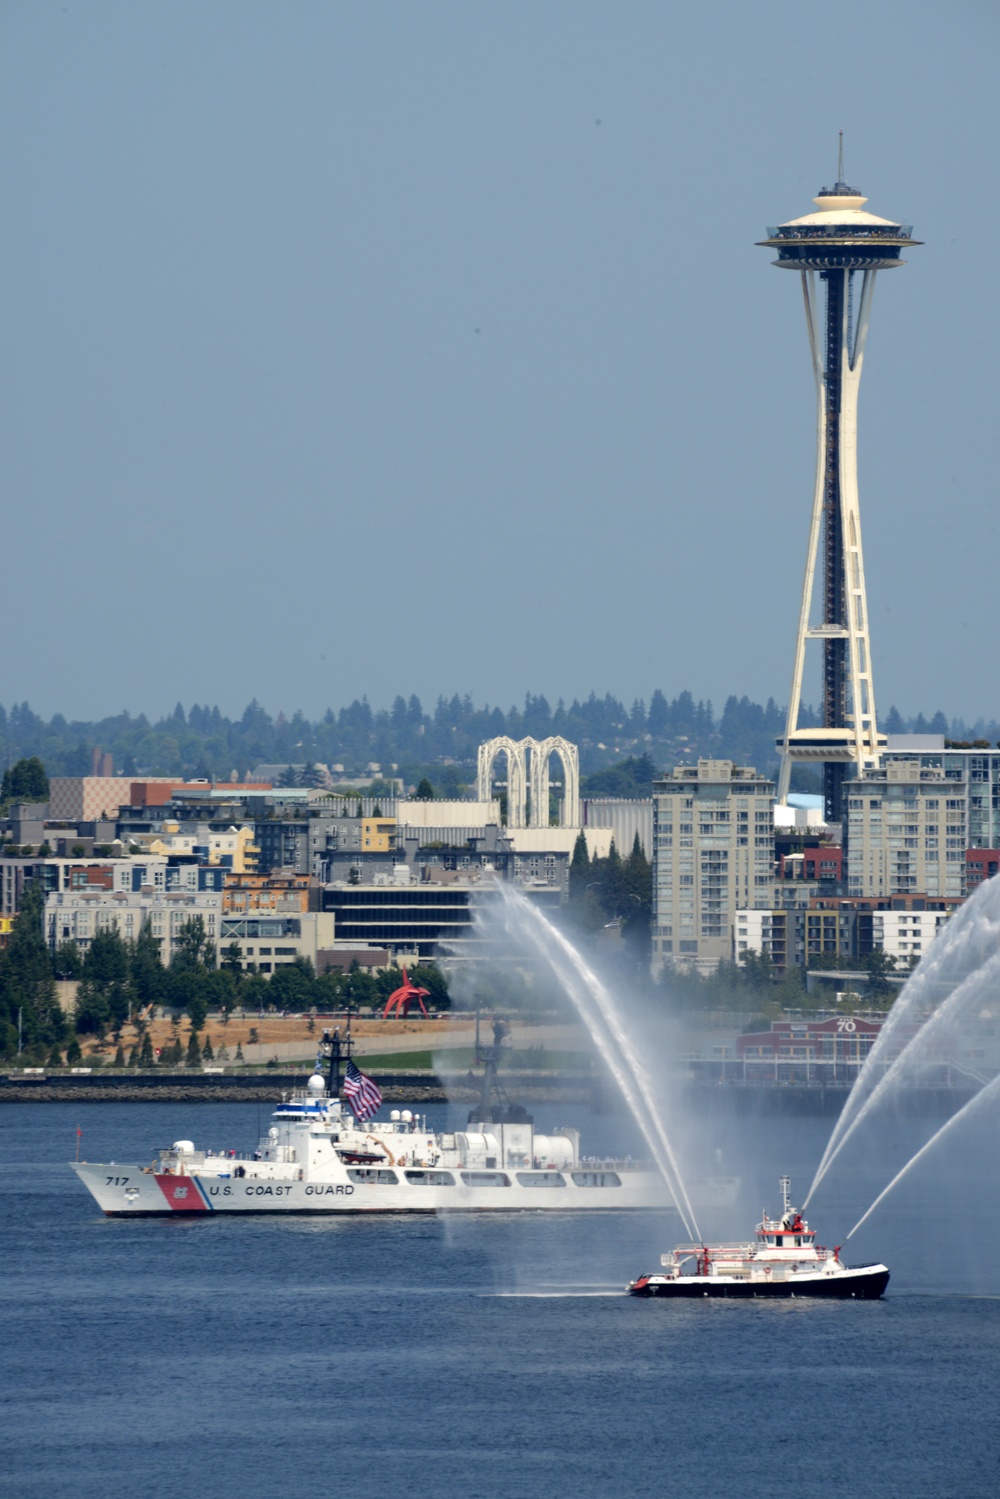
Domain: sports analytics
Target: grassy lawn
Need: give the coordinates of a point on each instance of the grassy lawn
(462, 1058)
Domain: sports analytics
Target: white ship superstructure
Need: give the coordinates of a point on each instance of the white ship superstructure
(317, 1157)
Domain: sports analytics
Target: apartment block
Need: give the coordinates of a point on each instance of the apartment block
(907, 831)
(843, 928)
(78, 915)
(713, 853)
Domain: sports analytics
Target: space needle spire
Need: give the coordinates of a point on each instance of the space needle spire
(838, 251)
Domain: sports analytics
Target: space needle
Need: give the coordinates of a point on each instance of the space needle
(844, 248)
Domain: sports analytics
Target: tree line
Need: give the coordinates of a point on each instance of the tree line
(442, 742)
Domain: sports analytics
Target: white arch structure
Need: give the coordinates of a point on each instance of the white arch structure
(523, 772)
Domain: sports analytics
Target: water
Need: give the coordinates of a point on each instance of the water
(529, 929)
(950, 996)
(486, 1358)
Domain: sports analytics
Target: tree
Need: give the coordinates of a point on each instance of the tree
(146, 1057)
(192, 948)
(207, 1054)
(878, 964)
(232, 958)
(25, 782)
(103, 998)
(429, 976)
(27, 984)
(579, 868)
(193, 1058)
(197, 1008)
(67, 962)
(290, 988)
(424, 791)
(146, 973)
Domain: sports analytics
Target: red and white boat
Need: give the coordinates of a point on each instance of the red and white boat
(784, 1260)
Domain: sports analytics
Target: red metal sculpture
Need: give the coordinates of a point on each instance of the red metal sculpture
(402, 998)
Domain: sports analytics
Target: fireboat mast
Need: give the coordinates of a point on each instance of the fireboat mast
(833, 250)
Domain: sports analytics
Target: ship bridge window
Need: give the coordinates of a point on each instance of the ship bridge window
(486, 1178)
(370, 1177)
(596, 1179)
(541, 1179)
(430, 1178)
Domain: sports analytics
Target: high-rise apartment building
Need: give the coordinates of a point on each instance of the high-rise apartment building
(907, 830)
(910, 823)
(713, 851)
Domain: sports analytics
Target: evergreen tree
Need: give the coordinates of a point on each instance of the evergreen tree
(193, 949)
(67, 962)
(146, 1057)
(27, 985)
(146, 974)
(579, 868)
(25, 782)
(193, 1058)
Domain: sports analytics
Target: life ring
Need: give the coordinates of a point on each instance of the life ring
(767, 1269)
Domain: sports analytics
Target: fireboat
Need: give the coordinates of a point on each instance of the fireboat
(784, 1260)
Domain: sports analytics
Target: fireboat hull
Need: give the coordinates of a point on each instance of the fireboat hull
(862, 1283)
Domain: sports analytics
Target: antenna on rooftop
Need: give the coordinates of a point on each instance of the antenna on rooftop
(840, 157)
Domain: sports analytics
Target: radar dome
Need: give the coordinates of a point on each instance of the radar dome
(394, 1116)
(184, 1145)
(316, 1085)
(406, 1116)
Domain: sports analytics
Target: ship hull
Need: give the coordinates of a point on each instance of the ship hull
(865, 1283)
(135, 1192)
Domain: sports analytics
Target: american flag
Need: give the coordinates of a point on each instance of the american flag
(365, 1097)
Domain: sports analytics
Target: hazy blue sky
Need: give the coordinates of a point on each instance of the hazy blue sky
(393, 347)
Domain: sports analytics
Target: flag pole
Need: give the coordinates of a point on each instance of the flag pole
(79, 1132)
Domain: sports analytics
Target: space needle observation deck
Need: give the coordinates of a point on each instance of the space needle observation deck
(840, 248)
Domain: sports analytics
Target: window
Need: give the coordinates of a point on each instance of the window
(486, 1178)
(370, 1176)
(596, 1179)
(541, 1179)
(430, 1178)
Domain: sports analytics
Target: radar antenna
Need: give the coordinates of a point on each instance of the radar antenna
(337, 1051)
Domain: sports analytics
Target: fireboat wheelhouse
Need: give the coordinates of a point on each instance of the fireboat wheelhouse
(784, 1260)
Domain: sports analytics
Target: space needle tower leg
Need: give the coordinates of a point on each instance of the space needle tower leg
(838, 252)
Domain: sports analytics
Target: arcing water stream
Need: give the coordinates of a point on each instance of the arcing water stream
(951, 992)
(530, 929)
(990, 1091)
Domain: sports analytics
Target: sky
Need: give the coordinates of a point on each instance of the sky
(356, 348)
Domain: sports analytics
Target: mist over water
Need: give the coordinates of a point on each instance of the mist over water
(942, 1037)
(949, 997)
(529, 931)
